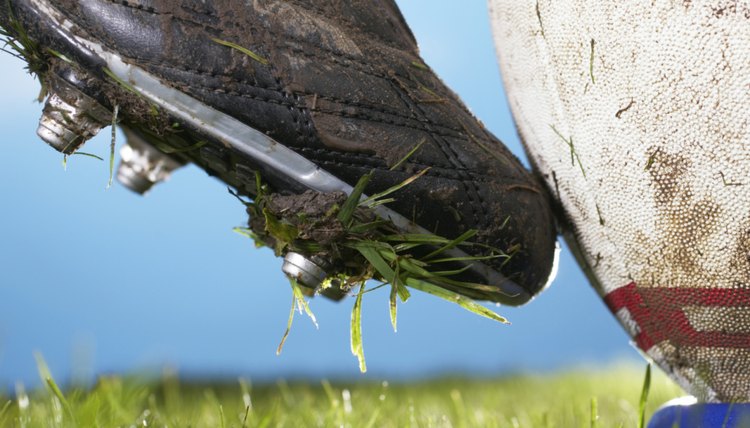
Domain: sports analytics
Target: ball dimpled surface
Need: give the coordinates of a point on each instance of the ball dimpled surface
(637, 116)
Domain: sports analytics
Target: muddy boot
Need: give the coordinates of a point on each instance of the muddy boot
(309, 97)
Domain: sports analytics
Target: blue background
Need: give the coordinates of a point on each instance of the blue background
(106, 281)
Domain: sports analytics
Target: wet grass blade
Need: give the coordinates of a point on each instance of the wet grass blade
(4, 410)
(403, 292)
(453, 244)
(594, 413)
(115, 112)
(467, 259)
(88, 155)
(452, 297)
(448, 273)
(377, 261)
(409, 155)
(302, 303)
(644, 398)
(380, 202)
(421, 238)
(356, 330)
(244, 231)
(393, 308)
(288, 326)
(242, 49)
(374, 198)
(283, 232)
(373, 419)
(352, 202)
(367, 227)
(46, 376)
(164, 148)
(60, 55)
(125, 85)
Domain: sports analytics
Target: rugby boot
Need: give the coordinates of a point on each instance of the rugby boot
(310, 96)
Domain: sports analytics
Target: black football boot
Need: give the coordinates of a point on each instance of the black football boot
(297, 100)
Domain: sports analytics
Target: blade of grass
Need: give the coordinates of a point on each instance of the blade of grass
(725, 422)
(242, 49)
(450, 296)
(367, 227)
(403, 292)
(164, 148)
(244, 231)
(380, 202)
(409, 155)
(451, 272)
(376, 288)
(400, 248)
(423, 238)
(282, 231)
(356, 330)
(301, 302)
(259, 187)
(115, 112)
(374, 198)
(373, 419)
(89, 155)
(288, 326)
(46, 376)
(352, 202)
(644, 398)
(377, 261)
(120, 82)
(60, 55)
(330, 393)
(244, 418)
(393, 308)
(222, 417)
(453, 244)
(466, 259)
(5, 408)
(594, 413)
(60, 396)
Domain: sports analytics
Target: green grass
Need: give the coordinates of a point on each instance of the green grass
(604, 398)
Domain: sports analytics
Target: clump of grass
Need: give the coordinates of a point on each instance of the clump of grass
(16, 41)
(365, 248)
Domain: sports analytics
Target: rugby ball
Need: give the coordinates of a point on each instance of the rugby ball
(637, 116)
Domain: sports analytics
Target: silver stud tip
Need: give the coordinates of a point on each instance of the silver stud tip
(70, 117)
(307, 272)
(143, 165)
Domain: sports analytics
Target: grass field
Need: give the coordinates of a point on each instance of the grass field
(605, 398)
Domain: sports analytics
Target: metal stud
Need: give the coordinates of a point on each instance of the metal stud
(70, 117)
(307, 272)
(310, 273)
(143, 165)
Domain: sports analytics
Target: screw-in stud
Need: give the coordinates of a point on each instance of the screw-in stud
(70, 117)
(307, 272)
(143, 165)
(310, 274)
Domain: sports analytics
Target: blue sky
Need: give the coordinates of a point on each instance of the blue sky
(102, 281)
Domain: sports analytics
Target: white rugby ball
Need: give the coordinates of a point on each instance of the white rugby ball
(637, 116)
